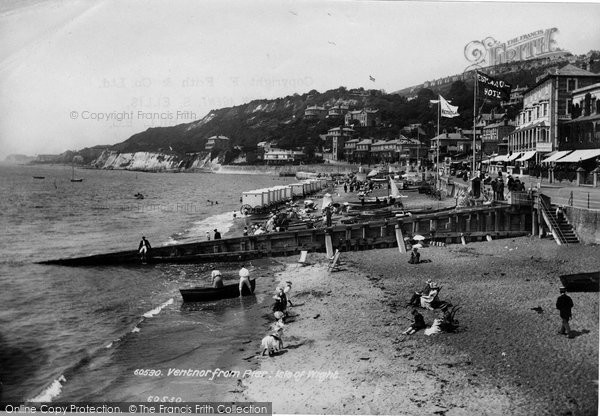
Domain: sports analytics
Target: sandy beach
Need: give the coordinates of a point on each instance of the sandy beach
(345, 354)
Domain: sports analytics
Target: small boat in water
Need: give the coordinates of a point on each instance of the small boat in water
(207, 294)
(39, 177)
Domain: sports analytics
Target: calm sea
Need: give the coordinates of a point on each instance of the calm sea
(75, 334)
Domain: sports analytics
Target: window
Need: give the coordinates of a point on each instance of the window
(571, 84)
(569, 106)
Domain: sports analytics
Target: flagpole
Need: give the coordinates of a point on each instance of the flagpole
(437, 146)
(475, 121)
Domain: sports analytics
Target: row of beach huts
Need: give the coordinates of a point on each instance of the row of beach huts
(260, 199)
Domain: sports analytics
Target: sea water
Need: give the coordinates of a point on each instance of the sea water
(96, 333)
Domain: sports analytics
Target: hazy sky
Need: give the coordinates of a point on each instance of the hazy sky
(66, 63)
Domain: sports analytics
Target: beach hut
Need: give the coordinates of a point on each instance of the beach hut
(254, 198)
(297, 189)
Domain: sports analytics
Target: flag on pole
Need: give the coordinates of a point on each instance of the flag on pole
(492, 87)
(447, 110)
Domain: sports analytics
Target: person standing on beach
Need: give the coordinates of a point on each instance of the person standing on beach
(217, 279)
(564, 304)
(287, 288)
(244, 279)
(217, 234)
(144, 248)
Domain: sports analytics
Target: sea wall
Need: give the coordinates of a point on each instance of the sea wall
(586, 224)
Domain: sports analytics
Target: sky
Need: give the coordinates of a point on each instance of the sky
(78, 73)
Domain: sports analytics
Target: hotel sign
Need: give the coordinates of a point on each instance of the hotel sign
(490, 52)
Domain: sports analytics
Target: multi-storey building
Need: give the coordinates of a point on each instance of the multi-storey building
(339, 136)
(337, 111)
(516, 97)
(451, 144)
(384, 151)
(363, 151)
(217, 143)
(366, 117)
(349, 149)
(315, 112)
(540, 126)
(493, 134)
(583, 130)
(273, 155)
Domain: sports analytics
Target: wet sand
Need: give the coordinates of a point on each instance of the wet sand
(506, 359)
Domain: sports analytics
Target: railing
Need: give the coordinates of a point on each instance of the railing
(521, 198)
(544, 200)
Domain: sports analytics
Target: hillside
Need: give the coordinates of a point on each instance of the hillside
(282, 121)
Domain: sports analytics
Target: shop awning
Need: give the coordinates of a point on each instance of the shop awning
(556, 156)
(512, 157)
(499, 158)
(526, 156)
(579, 155)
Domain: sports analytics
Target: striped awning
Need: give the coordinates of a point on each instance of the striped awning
(512, 157)
(556, 156)
(580, 155)
(526, 156)
(500, 158)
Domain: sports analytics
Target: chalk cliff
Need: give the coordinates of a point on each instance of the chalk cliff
(156, 161)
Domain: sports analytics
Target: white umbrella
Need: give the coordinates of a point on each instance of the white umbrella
(374, 172)
(418, 245)
(327, 200)
(418, 238)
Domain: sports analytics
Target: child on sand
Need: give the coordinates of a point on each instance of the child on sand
(419, 323)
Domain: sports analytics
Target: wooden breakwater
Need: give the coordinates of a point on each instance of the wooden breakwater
(460, 225)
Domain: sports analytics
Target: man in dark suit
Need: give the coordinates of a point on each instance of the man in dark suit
(564, 304)
(144, 248)
(217, 235)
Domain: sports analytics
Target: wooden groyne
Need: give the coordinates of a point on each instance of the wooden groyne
(460, 225)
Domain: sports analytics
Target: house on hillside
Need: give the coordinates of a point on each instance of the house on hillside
(366, 117)
(337, 111)
(217, 143)
(315, 112)
(516, 97)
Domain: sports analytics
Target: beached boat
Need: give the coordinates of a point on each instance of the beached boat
(581, 282)
(207, 294)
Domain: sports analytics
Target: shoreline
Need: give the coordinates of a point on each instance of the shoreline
(505, 359)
